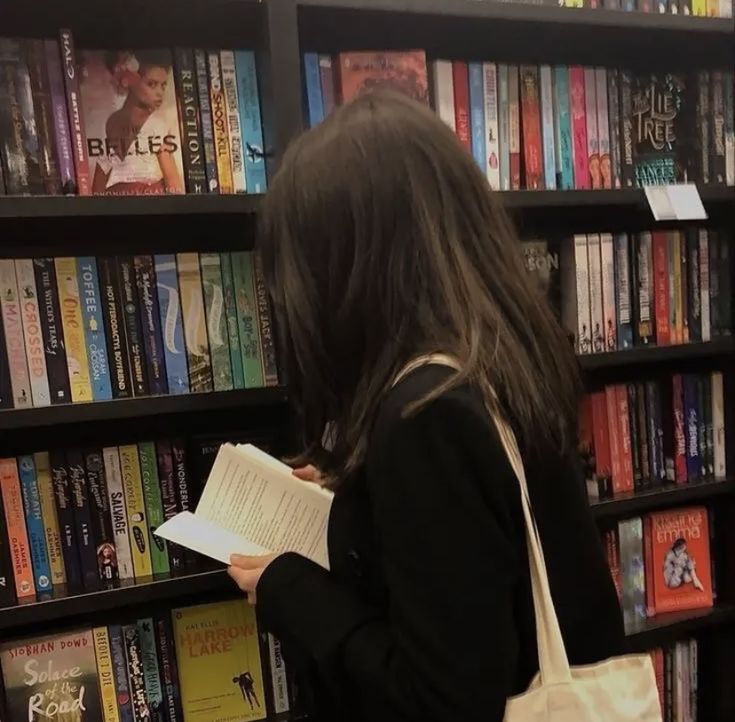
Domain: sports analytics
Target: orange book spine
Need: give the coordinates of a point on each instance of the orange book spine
(531, 123)
(219, 124)
(661, 281)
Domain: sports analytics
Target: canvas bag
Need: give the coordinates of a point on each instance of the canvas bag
(620, 689)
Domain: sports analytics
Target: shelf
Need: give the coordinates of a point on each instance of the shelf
(14, 419)
(661, 498)
(665, 628)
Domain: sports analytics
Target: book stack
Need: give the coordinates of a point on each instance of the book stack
(195, 663)
(93, 329)
(554, 127)
(677, 679)
(128, 122)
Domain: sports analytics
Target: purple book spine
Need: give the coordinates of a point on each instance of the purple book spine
(61, 121)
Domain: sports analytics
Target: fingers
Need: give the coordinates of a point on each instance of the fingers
(306, 473)
(246, 562)
(245, 580)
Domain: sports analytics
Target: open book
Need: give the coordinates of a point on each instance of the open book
(252, 504)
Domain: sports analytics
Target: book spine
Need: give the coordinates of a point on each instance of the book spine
(76, 117)
(83, 518)
(718, 425)
(626, 127)
(709, 422)
(233, 333)
(34, 525)
(631, 566)
(563, 149)
(694, 311)
(613, 105)
(492, 143)
(607, 255)
(168, 668)
(219, 124)
(150, 324)
(616, 458)
(661, 287)
(725, 285)
(105, 675)
(32, 332)
(136, 674)
(267, 341)
(67, 526)
(101, 521)
(135, 504)
(133, 332)
(694, 673)
(13, 331)
(6, 391)
(504, 126)
(547, 126)
(326, 81)
(151, 674)
(718, 160)
(14, 160)
(669, 684)
(691, 412)
(584, 317)
(702, 425)
(118, 513)
(279, 679)
(29, 122)
(169, 306)
(714, 283)
(169, 501)
(514, 127)
(314, 98)
(704, 304)
(684, 283)
(621, 394)
(531, 121)
(153, 506)
(60, 119)
(49, 518)
(120, 672)
(680, 444)
(205, 110)
(703, 123)
(442, 86)
(73, 325)
(52, 337)
(250, 118)
(623, 305)
(597, 312)
(635, 437)
(728, 84)
(648, 565)
(117, 351)
(7, 577)
(601, 442)
(187, 96)
(603, 128)
(674, 288)
(593, 138)
(477, 115)
(214, 307)
(579, 127)
(643, 440)
(243, 274)
(644, 290)
(184, 502)
(460, 79)
(232, 108)
(194, 321)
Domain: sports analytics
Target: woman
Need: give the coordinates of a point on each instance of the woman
(382, 242)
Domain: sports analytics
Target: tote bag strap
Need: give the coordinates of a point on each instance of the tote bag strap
(553, 662)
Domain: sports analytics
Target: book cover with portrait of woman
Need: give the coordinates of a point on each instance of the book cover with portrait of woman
(131, 118)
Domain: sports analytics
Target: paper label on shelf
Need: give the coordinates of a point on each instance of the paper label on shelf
(680, 202)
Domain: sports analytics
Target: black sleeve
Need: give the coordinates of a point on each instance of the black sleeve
(446, 649)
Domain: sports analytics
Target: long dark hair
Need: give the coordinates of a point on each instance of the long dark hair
(381, 241)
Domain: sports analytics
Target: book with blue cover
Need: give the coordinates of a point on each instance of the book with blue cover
(34, 524)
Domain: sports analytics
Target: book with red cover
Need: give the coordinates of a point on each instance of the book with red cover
(616, 458)
(626, 454)
(601, 441)
(681, 563)
(579, 127)
(402, 71)
(461, 84)
(661, 287)
(657, 657)
(680, 444)
(531, 123)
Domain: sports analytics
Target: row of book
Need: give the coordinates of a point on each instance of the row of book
(95, 329)
(677, 680)
(662, 563)
(196, 663)
(554, 127)
(696, 8)
(128, 122)
(621, 291)
(644, 435)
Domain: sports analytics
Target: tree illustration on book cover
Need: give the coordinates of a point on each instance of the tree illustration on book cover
(52, 679)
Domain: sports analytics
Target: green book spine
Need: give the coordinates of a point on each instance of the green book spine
(214, 307)
(153, 506)
(247, 318)
(233, 332)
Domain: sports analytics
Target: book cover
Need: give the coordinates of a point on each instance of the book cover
(704, 122)
(626, 453)
(247, 318)
(504, 126)
(460, 84)
(709, 426)
(131, 120)
(725, 282)
(76, 114)
(702, 412)
(613, 106)
(684, 283)
(49, 517)
(607, 260)
(531, 122)
(192, 143)
(267, 336)
(648, 565)
(118, 513)
(514, 127)
(680, 428)
(184, 500)
(67, 525)
(222, 681)
(563, 148)
(644, 327)
(577, 102)
(597, 313)
(704, 291)
(232, 108)
(674, 283)
(135, 505)
(101, 519)
(57, 369)
(115, 329)
(168, 668)
(442, 91)
(635, 437)
(169, 501)
(326, 79)
(60, 118)
(681, 559)
(150, 324)
(195, 324)
(120, 673)
(603, 128)
(492, 138)
(29, 123)
(718, 425)
(547, 126)
(584, 304)
(714, 283)
(593, 138)
(205, 110)
(279, 680)
(73, 327)
(219, 123)
(601, 440)
(7, 582)
(660, 247)
(691, 415)
(214, 307)
(644, 448)
(614, 431)
(52, 677)
(314, 96)
(153, 506)
(632, 571)
(136, 673)
(718, 162)
(94, 328)
(86, 542)
(623, 287)
(728, 83)
(129, 301)
(250, 117)
(233, 333)
(654, 415)
(32, 332)
(105, 675)
(16, 170)
(477, 114)
(20, 551)
(627, 145)
(568, 290)
(151, 674)
(694, 310)
(34, 525)
(14, 341)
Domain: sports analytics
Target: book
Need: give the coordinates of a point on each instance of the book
(577, 104)
(442, 91)
(531, 123)
(247, 318)
(504, 126)
(563, 148)
(12, 322)
(613, 104)
(547, 126)
(681, 559)
(597, 313)
(220, 124)
(542, 262)
(691, 415)
(702, 413)
(636, 444)
(169, 501)
(150, 324)
(214, 307)
(34, 525)
(584, 302)
(101, 519)
(233, 332)
(593, 138)
(326, 79)
(725, 283)
(168, 667)
(153, 506)
(149, 656)
(219, 681)
(32, 672)
(137, 517)
(680, 445)
(267, 340)
(704, 121)
(67, 525)
(16, 172)
(607, 263)
(718, 426)
(60, 118)
(314, 97)
(131, 120)
(49, 517)
(118, 513)
(514, 127)
(601, 443)
(105, 675)
(6, 391)
(279, 680)
(232, 108)
(704, 290)
(129, 300)
(136, 673)
(85, 541)
(205, 110)
(120, 673)
(603, 128)
(460, 83)
(623, 286)
(632, 571)
(627, 147)
(477, 114)
(169, 306)
(661, 281)
(185, 500)
(729, 102)
(192, 143)
(492, 138)
(694, 310)
(250, 117)
(7, 583)
(643, 296)
(718, 160)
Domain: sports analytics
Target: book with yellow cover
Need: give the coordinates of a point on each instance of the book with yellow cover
(50, 518)
(135, 503)
(220, 672)
(105, 675)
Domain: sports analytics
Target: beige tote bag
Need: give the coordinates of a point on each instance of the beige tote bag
(621, 689)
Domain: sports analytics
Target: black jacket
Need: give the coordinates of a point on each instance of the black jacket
(426, 614)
